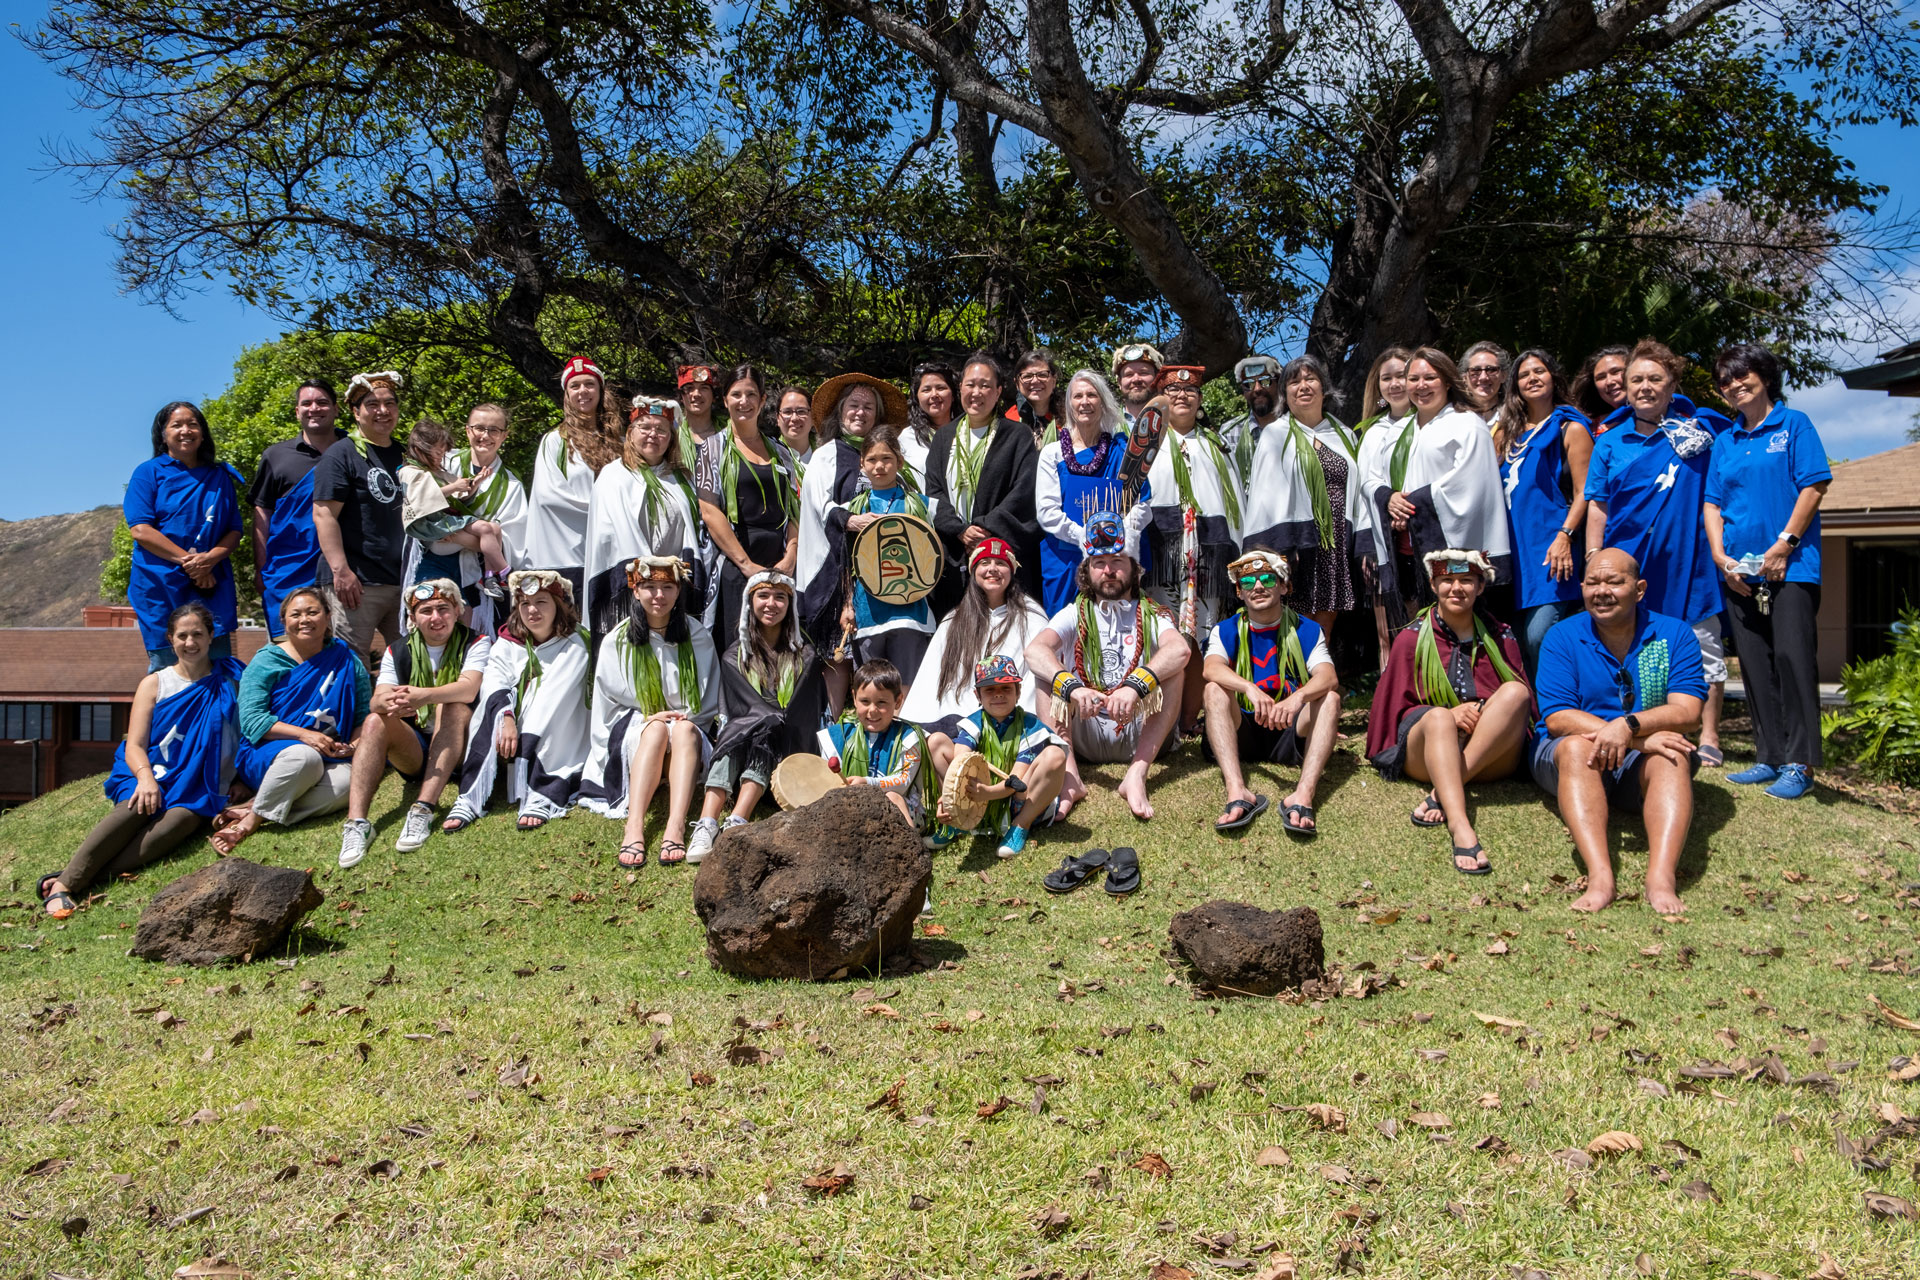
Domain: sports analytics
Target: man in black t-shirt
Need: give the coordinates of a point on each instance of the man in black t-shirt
(286, 555)
(357, 515)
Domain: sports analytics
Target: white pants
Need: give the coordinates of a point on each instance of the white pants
(1713, 650)
(300, 784)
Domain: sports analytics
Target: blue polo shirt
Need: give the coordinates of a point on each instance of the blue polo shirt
(1756, 477)
(1653, 498)
(1579, 673)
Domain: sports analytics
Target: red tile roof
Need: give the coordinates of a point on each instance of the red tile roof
(82, 664)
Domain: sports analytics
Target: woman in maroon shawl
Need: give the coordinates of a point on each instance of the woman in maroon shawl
(1477, 687)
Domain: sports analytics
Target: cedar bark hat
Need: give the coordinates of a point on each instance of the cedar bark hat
(893, 401)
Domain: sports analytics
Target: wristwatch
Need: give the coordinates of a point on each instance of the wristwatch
(1791, 539)
(1633, 723)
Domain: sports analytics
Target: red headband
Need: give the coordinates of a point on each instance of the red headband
(1183, 375)
(992, 549)
(692, 373)
(577, 366)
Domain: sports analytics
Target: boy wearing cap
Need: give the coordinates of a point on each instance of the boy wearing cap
(1028, 757)
(1115, 665)
(1195, 505)
(422, 703)
(1270, 687)
(1136, 371)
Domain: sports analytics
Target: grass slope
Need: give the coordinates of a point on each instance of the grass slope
(619, 1159)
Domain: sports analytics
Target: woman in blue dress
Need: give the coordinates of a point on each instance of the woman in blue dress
(1079, 472)
(1544, 446)
(171, 773)
(302, 702)
(183, 510)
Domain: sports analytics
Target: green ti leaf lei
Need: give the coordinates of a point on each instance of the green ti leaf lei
(1001, 753)
(1307, 458)
(643, 670)
(786, 487)
(452, 657)
(1293, 661)
(968, 457)
(1183, 478)
(1431, 684)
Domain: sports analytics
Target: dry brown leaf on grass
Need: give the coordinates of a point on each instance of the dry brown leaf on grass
(1495, 1020)
(830, 1181)
(598, 1175)
(1153, 1164)
(1431, 1119)
(700, 1080)
(1167, 1271)
(1280, 1266)
(1880, 1205)
(1828, 1269)
(1612, 1143)
(1891, 1018)
(1572, 1158)
(1431, 1055)
(880, 1010)
(1652, 1088)
(1052, 1221)
(385, 1169)
(988, 1110)
(891, 1098)
(220, 1267)
(1499, 948)
(45, 1168)
(1701, 1189)
(1747, 1274)
(1273, 1158)
(1324, 1115)
(1489, 1101)
(1338, 1174)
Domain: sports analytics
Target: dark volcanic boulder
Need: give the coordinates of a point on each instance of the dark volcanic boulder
(835, 885)
(231, 910)
(1231, 944)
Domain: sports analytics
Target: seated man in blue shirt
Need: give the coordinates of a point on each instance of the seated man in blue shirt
(1619, 689)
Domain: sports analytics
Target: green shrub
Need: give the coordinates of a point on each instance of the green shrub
(1880, 729)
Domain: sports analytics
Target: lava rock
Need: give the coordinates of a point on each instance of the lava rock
(1232, 945)
(230, 910)
(833, 886)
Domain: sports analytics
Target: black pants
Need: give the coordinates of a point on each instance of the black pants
(1777, 652)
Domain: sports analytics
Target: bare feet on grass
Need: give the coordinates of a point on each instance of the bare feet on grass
(1133, 789)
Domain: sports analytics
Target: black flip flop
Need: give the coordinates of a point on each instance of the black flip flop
(1432, 805)
(1249, 810)
(1474, 852)
(1298, 833)
(1123, 871)
(1074, 872)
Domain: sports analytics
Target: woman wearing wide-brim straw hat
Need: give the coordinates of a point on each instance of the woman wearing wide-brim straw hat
(843, 409)
(893, 401)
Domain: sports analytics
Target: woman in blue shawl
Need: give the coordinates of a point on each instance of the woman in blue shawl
(302, 704)
(171, 773)
(1544, 445)
(183, 510)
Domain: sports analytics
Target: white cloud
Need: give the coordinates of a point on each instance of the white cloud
(1854, 424)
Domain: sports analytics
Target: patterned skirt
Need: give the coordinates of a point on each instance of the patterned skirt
(1323, 578)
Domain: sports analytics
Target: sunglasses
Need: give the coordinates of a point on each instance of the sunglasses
(1623, 683)
(1135, 352)
(1266, 578)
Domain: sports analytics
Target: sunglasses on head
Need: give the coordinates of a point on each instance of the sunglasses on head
(1256, 371)
(1265, 578)
(1135, 352)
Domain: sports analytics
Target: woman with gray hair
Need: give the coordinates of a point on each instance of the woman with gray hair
(1078, 472)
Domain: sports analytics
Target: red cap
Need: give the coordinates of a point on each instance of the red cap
(692, 373)
(579, 365)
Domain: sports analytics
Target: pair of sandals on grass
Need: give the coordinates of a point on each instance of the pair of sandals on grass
(1122, 867)
(1297, 819)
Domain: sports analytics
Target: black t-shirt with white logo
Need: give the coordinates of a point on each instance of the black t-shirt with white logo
(371, 529)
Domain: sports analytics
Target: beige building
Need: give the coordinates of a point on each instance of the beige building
(1869, 555)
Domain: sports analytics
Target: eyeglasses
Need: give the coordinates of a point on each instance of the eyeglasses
(1483, 371)
(1623, 682)
(1265, 579)
(483, 429)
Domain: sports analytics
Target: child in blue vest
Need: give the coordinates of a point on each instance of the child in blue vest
(877, 749)
(1029, 758)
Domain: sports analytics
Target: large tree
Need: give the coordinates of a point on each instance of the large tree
(780, 182)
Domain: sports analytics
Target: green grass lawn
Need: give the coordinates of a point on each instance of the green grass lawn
(638, 1145)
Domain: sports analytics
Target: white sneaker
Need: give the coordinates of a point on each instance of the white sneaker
(733, 820)
(353, 841)
(704, 832)
(418, 827)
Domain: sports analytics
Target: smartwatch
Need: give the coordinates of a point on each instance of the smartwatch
(1791, 539)
(1633, 723)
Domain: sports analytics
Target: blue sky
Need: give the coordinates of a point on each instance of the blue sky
(86, 366)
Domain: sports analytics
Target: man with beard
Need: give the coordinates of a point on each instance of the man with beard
(1136, 372)
(1619, 689)
(1258, 378)
(1115, 665)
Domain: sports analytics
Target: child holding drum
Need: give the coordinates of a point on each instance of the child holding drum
(1015, 746)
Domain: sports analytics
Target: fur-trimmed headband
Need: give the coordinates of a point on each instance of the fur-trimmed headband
(1454, 560)
(1261, 558)
(363, 384)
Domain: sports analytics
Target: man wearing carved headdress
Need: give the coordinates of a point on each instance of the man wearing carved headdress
(1114, 663)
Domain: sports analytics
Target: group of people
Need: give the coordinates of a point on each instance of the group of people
(672, 600)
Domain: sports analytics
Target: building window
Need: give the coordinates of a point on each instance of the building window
(24, 720)
(93, 722)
